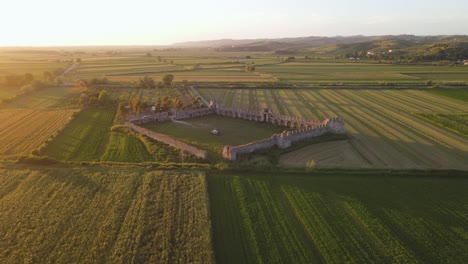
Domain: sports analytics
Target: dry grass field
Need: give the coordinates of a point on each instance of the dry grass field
(24, 130)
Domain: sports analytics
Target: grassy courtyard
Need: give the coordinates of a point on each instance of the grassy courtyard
(233, 132)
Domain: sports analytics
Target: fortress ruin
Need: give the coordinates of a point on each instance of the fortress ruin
(302, 129)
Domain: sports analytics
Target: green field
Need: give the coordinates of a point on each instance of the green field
(459, 94)
(457, 123)
(338, 219)
(89, 138)
(103, 215)
(233, 132)
(85, 138)
(213, 67)
(383, 130)
(367, 74)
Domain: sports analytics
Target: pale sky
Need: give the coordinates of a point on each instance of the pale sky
(155, 22)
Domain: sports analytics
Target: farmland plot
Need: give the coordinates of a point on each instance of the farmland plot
(103, 215)
(54, 97)
(338, 219)
(83, 139)
(363, 73)
(383, 130)
(89, 138)
(24, 130)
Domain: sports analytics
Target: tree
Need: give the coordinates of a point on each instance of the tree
(136, 105)
(159, 59)
(120, 111)
(58, 71)
(47, 76)
(78, 60)
(167, 79)
(27, 88)
(84, 98)
(249, 68)
(146, 83)
(28, 78)
(103, 97)
(38, 85)
(178, 104)
(148, 54)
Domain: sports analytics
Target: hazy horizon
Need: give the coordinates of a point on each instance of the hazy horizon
(146, 23)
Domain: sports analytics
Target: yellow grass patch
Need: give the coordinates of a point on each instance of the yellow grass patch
(24, 130)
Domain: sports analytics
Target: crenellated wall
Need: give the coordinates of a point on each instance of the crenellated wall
(287, 138)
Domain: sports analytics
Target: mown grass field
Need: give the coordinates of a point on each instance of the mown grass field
(103, 214)
(259, 218)
(383, 129)
(361, 73)
(197, 132)
(22, 131)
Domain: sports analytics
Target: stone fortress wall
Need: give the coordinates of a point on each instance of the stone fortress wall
(287, 138)
(304, 129)
(168, 141)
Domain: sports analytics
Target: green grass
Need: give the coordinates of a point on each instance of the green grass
(89, 138)
(103, 215)
(459, 94)
(233, 132)
(85, 138)
(457, 123)
(125, 148)
(338, 219)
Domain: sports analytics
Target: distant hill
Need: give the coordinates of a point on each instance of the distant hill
(423, 47)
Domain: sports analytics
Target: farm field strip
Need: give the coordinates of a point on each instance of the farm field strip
(364, 138)
(441, 147)
(85, 138)
(302, 103)
(369, 135)
(449, 105)
(394, 135)
(337, 218)
(430, 132)
(105, 214)
(25, 130)
(125, 148)
(416, 103)
(421, 149)
(290, 105)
